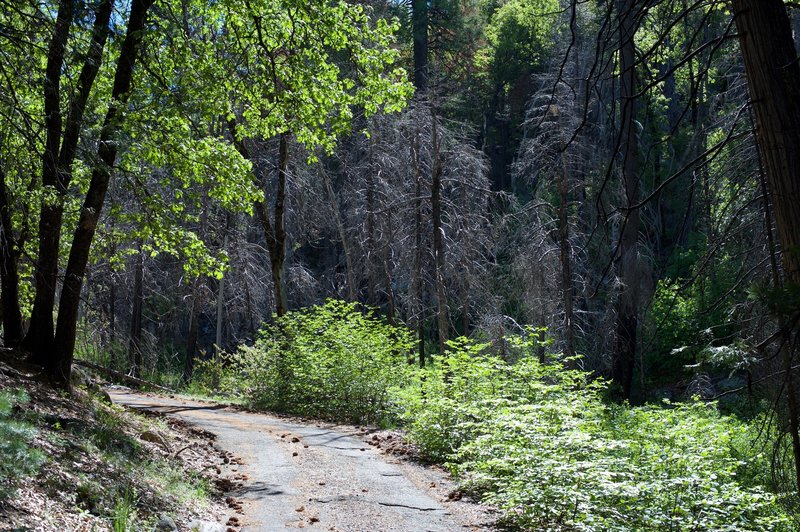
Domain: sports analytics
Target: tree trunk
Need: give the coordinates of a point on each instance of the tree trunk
(567, 289)
(59, 361)
(112, 313)
(565, 249)
(41, 330)
(540, 348)
(221, 308)
(348, 258)
(277, 245)
(627, 260)
(417, 282)
(370, 228)
(60, 152)
(192, 333)
(387, 275)
(135, 338)
(9, 276)
(275, 234)
(442, 318)
(419, 29)
(465, 324)
(773, 78)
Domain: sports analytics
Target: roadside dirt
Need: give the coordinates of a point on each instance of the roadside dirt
(286, 473)
(95, 456)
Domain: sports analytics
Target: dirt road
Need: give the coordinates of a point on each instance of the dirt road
(308, 475)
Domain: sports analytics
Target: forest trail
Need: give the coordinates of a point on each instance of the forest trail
(296, 474)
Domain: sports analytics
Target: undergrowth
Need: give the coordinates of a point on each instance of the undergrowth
(97, 466)
(332, 361)
(540, 442)
(17, 458)
(536, 439)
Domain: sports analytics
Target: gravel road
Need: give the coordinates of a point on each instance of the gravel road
(296, 474)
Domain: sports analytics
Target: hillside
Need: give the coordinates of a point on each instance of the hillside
(83, 464)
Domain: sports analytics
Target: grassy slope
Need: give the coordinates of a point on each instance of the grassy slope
(98, 473)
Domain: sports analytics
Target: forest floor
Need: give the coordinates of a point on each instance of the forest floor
(292, 473)
(108, 468)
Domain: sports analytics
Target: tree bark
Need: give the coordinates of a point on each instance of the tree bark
(9, 275)
(348, 258)
(419, 29)
(59, 361)
(627, 259)
(276, 237)
(219, 342)
(442, 318)
(565, 252)
(370, 228)
(417, 282)
(41, 329)
(387, 276)
(192, 333)
(773, 78)
(274, 234)
(59, 157)
(135, 337)
(567, 288)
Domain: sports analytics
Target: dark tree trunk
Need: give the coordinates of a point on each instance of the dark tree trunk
(773, 78)
(442, 318)
(219, 343)
(417, 282)
(565, 253)
(370, 228)
(348, 257)
(567, 288)
(419, 29)
(59, 361)
(276, 244)
(627, 260)
(219, 340)
(112, 312)
(387, 273)
(135, 338)
(191, 335)
(465, 324)
(40, 333)
(540, 348)
(274, 233)
(57, 172)
(9, 276)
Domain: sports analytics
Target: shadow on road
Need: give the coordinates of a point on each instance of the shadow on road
(259, 490)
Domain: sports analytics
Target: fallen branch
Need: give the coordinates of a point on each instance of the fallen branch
(179, 452)
(119, 375)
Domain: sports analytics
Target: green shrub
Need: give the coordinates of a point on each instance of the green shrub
(332, 361)
(17, 459)
(538, 441)
(448, 402)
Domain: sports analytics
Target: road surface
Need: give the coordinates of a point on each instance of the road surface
(309, 475)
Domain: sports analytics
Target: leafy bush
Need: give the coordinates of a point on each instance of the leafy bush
(17, 459)
(332, 361)
(538, 441)
(446, 404)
